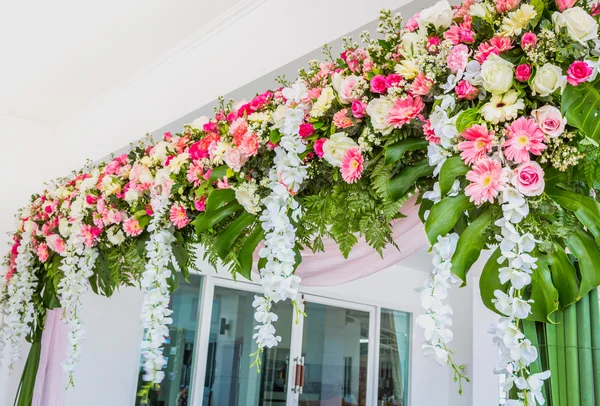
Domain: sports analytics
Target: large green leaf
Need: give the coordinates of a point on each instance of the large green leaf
(467, 118)
(584, 248)
(581, 106)
(543, 294)
(227, 237)
(207, 220)
(245, 257)
(564, 275)
(539, 7)
(217, 173)
(401, 183)
(217, 198)
(444, 215)
(470, 244)
(489, 281)
(451, 169)
(395, 152)
(585, 208)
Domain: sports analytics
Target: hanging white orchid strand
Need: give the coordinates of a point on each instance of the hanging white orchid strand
(516, 352)
(19, 310)
(155, 308)
(277, 276)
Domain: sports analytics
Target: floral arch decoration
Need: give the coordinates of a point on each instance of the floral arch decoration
(486, 111)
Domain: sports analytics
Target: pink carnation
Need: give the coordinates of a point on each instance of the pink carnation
(114, 216)
(238, 129)
(565, 4)
(458, 58)
(249, 144)
(529, 179)
(42, 252)
(89, 234)
(523, 72)
(178, 216)
(422, 85)
(477, 145)
(393, 79)
(524, 136)
(352, 165)
(306, 130)
(132, 227)
(318, 147)
(404, 110)
(341, 119)
(412, 24)
(578, 72)
(466, 91)
(487, 181)
(432, 43)
(56, 243)
(502, 6)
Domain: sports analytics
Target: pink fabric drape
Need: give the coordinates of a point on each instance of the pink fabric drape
(331, 268)
(50, 383)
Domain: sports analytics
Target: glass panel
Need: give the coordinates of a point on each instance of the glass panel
(229, 379)
(179, 349)
(335, 348)
(394, 347)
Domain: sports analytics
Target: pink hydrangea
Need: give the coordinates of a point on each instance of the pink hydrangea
(487, 179)
(132, 227)
(352, 165)
(178, 216)
(477, 145)
(404, 110)
(579, 72)
(524, 136)
(341, 119)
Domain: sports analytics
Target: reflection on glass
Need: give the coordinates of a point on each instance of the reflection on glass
(335, 349)
(179, 349)
(229, 379)
(394, 347)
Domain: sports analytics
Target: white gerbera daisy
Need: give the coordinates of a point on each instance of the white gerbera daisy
(502, 107)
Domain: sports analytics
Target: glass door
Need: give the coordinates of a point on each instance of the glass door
(333, 365)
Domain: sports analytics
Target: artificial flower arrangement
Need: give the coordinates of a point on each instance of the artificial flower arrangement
(485, 111)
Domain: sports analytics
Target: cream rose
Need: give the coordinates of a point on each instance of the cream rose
(378, 109)
(336, 146)
(198, 123)
(235, 159)
(581, 26)
(547, 79)
(323, 103)
(411, 43)
(550, 120)
(64, 227)
(481, 10)
(345, 87)
(497, 74)
(440, 15)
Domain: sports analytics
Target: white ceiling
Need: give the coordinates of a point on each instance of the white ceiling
(60, 55)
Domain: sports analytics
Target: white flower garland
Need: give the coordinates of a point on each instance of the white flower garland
(77, 265)
(19, 310)
(155, 307)
(516, 352)
(277, 276)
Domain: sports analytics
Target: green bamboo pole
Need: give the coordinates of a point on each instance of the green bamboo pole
(561, 375)
(531, 334)
(553, 354)
(584, 342)
(572, 356)
(595, 323)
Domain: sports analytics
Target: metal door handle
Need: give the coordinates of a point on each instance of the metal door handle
(299, 378)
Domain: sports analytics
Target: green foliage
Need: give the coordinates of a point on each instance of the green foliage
(444, 215)
(453, 168)
(581, 106)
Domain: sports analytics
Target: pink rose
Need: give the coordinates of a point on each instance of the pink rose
(550, 120)
(579, 72)
(565, 4)
(529, 40)
(235, 159)
(115, 216)
(306, 130)
(466, 91)
(529, 179)
(378, 84)
(458, 58)
(319, 147)
(196, 151)
(523, 72)
(502, 6)
(392, 80)
(249, 145)
(359, 108)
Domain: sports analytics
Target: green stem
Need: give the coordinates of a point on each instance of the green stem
(572, 356)
(595, 323)
(584, 341)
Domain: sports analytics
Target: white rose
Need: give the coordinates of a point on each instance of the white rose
(581, 26)
(497, 74)
(115, 235)
(440, 15)
(378, 109)
(64, 227)
(547, 79)
(336, 146)
(159, 152)
(198, 123)
(322, 104)
(411, 43)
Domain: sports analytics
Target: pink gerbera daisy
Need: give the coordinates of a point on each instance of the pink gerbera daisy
(404, 110)
(178, 216)
(352, 165)
(524, 136)
(132, 227)
(195, 174)
(478, 143)
(487, 180)
(341, 119)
